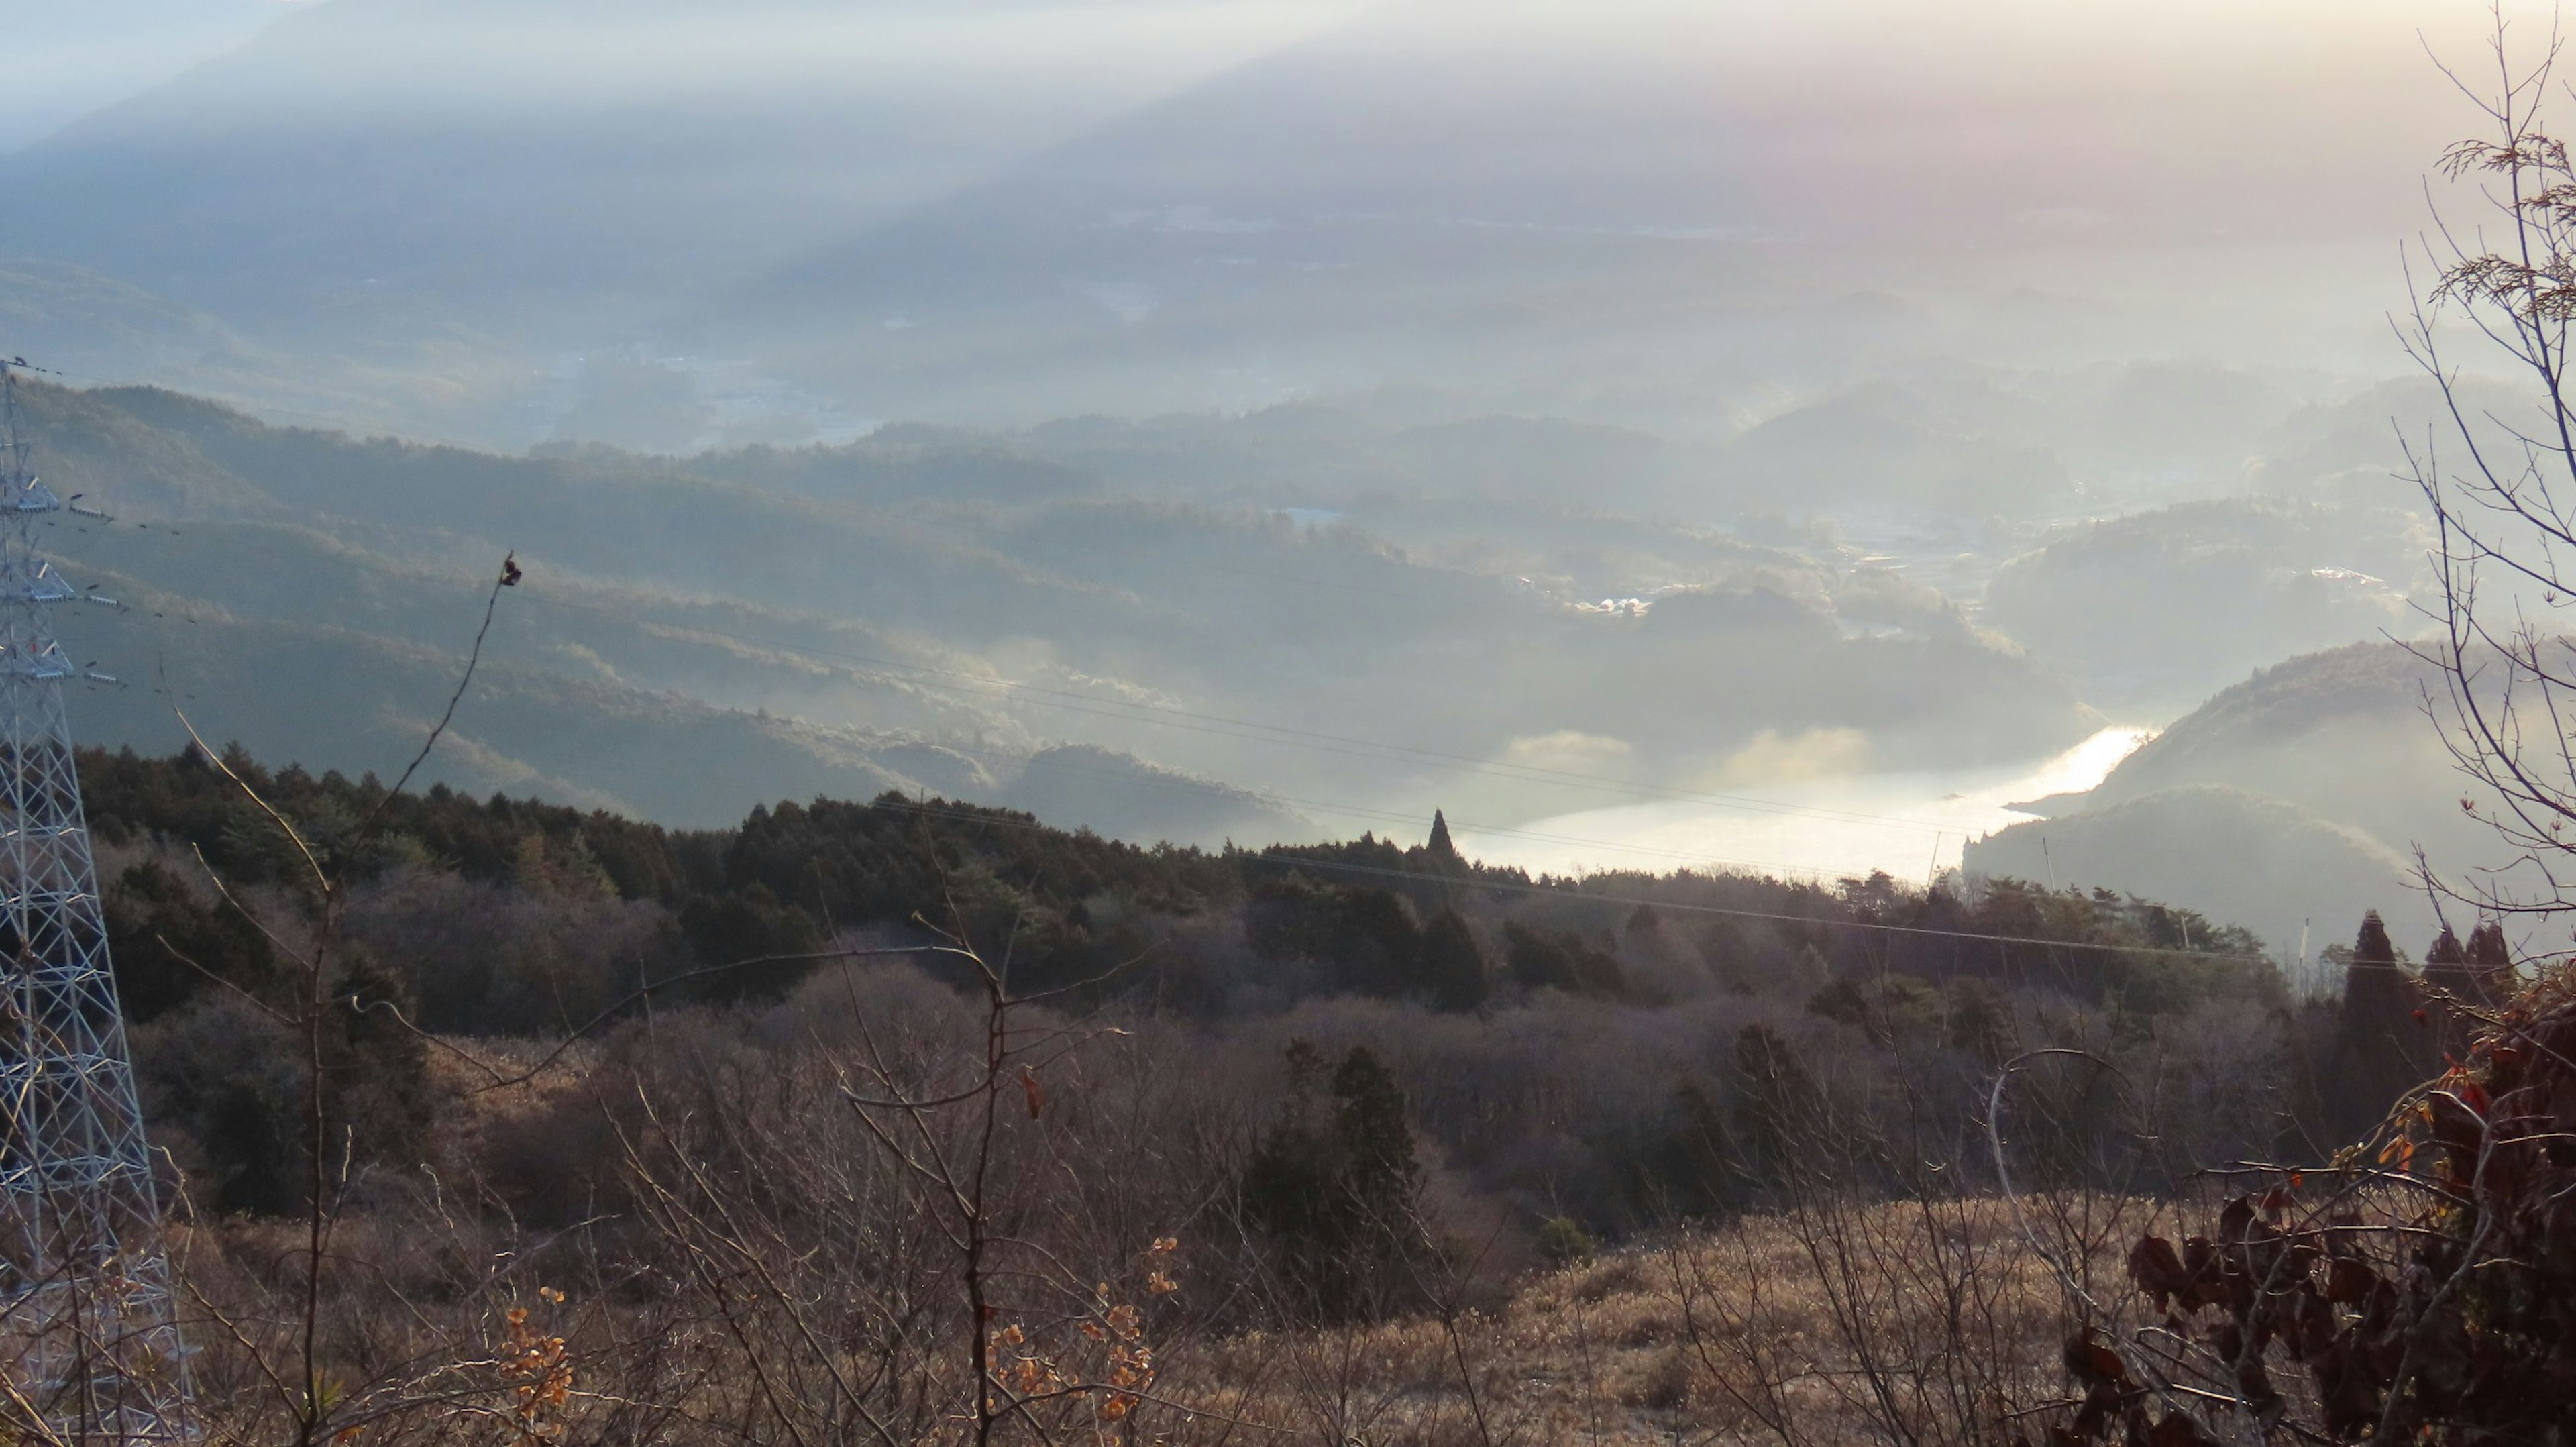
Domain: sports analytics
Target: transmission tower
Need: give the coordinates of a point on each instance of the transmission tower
(89, 1337)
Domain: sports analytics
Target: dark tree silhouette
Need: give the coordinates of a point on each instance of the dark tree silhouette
(1453, 965)
(1440, 847)
(2381, 1038)
(1781, 1110)
(2490, 964)
(1333, 1189)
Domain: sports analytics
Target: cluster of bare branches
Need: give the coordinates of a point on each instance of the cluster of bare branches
(872, 1215)
(913, 1223)
(2501, 484)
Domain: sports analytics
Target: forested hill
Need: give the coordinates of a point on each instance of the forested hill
(512, 916)
(1110, 625)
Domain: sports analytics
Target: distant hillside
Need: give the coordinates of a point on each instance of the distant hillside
(2150, 605)
(967, 613)
(2231, 853)
(2300, 793)
(486, 222)
(1205, 931)
(2351, 734)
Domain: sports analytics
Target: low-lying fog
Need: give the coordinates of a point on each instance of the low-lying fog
(1655, 434)
(1912, 826)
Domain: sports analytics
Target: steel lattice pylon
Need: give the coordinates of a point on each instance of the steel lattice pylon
(90, 1339)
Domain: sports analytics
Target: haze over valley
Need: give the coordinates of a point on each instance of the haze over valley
(1395, 723)
(1658, 437)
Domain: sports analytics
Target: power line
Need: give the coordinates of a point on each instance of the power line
(1378, 749)
(1295, 861)
(1251, 730)
(1356, 811)
(1079, 703)
(1278, 734)
(1206, 787)
(1299, 861)
(342, 423)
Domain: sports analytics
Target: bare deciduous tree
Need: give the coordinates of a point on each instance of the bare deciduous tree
(2501, 480)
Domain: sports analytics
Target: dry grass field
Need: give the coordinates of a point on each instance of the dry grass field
(1937, 1323)
(745, 1279)
(1931, 1324)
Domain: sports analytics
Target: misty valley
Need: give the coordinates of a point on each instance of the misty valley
(1358, 722)
(1074, 621)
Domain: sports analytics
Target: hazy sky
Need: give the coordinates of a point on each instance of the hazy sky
(1859, 254)
(2094, 148)
(60, 61)
(64, 59)
(2144, 85)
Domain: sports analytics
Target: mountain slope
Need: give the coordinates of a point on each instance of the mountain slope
(2301, 793)
(2233, 854)
(818, 212)
(1003, 606)
(2150, 605)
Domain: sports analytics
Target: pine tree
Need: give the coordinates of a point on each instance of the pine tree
(2382, 1035)
(1287, 1187)
(1980, 1021)
(2446, 967)
(2490, 963)
(375, 1067)
(1547, 959)
(2376, 991)
(749, 924)
(1379, 1171)
(1808, 971)
(2451, 988)
(1335, 1197)
(1698, 1168)
(1453, 966)
(1781, 1108)
(165, 942)
(1441, 849)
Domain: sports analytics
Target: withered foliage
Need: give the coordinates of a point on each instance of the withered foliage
(2416, 1289)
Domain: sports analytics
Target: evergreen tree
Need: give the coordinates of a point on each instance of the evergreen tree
(1380, 1172)
(1890, 1008)
(1981, 1021)
(230, 1078)
(2490, 963)
(2451, 988)
(235, 1078)
(1781, 1110)
(1546, 959)
(2376, 991)
(2446, 966)
(1453, 966)
(375, 1068)
(1698, 1168)
(164, 942)
(1378, 948)
(749, 924)
(2382, 1034)
(1334, 1194)
(1440, 847)
(1645, 928)
(1288, 1183)
(1809, 971)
